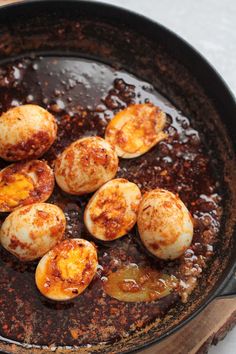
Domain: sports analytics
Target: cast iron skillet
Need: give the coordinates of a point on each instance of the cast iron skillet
(155, 54)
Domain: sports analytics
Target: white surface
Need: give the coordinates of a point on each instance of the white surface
(210, 26)
(227, 346)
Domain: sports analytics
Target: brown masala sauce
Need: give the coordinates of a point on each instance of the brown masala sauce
(84, 95)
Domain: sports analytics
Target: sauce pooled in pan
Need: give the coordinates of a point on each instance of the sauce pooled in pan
(84, 95)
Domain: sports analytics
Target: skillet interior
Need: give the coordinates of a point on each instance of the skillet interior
(153, 59)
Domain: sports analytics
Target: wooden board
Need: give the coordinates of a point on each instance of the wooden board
(206, 329)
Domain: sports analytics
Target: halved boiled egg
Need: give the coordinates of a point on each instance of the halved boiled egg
(26, 131)
(31, 231)
(136, 129)
(66, 271)
(85, 165)
(25, 183)
(112, 210)
(164, 224)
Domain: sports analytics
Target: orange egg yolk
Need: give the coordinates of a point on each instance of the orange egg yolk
(15, 190)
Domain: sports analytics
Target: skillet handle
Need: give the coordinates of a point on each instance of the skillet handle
(230, 289)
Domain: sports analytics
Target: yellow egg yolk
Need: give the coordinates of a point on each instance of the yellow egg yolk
(15, 190)
(71, 264)
(136, 129)
(65, 271)
(133, 134)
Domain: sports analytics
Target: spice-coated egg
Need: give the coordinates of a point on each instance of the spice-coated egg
(26, 132)
(112, 210)
(136, 129)
(31, 231)
(85, 165)
(24, 183)
(66, 271)
(164, 224)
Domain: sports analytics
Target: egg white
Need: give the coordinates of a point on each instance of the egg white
(26, 131)
(165, 224)
(66, 271)
(85, 165)
(31, 231)
(25, 183)
(112, 210)
(136, 129)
